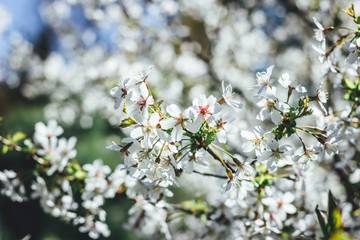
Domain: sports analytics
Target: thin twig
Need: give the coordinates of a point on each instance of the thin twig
(211, 175)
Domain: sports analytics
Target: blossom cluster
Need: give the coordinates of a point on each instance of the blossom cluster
(59, 180)
(167, 140)
(259, 184)
(261, 175)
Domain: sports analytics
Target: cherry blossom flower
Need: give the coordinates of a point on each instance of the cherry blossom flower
(147, 130)
(271, 108)
(174, 123)
(123, 90)
(202, 108)
(331, 146)
(43, 132)
(12, 186)
(244, 173)
(275, 155)
(205, 107)
(311, 154)
(93, 227)
(255, 140)
(228, 97)
(139, 104)
(321, 96)
(188, 163)
(280, 206)
(131, 146)
(96, 184)
(225, 127)
(285, 81)
(264, 80)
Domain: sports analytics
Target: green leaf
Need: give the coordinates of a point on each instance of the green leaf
(18, 136)
(350, 11)
(321, 221)
(293, 111)
(278, 131)
(347, 83)
(80, 175)
(209, 138)
(334, 216)
(5, 149)
(158, 104)
(341, 235)
(127, 122)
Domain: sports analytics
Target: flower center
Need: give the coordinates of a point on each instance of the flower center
(204, 110)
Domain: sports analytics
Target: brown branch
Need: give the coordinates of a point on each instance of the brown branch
(211, 175)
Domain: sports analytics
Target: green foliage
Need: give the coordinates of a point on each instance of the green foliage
(352, 92)
(18, 136)
(332, 228)
(351, 12)
(76, 171)
(198, 208)
(262, 178)
(203, 138)
(5, 149)
(127, 122)
(10, 142)
(287, 127)
(209, 137)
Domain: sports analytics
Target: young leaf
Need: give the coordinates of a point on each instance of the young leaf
(321, 221)
(5, 149)
(334, 215)
(350, 11)
(341, 235)
(127, 122)
(18, 136)
(209, 138)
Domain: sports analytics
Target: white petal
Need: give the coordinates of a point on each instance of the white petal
(71, 142)
(269, 71)
(115, 92)
(177, 133)
(194, 126)
(263, 114)
(136, 133)
(247, 135)
(173, 110)
(275, 117)
(114, 147)
(167, 123)
(247, 147)
(288, 197)
(317, 23)
(143, 90)
(162, 135)
(352, 58)
(118, 103)
(301, 89)
(289, 208)
(154, 119)
(221, 136)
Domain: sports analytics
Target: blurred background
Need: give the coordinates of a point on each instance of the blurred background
(58, 60)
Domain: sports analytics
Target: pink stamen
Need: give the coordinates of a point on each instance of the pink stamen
(204, 110)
